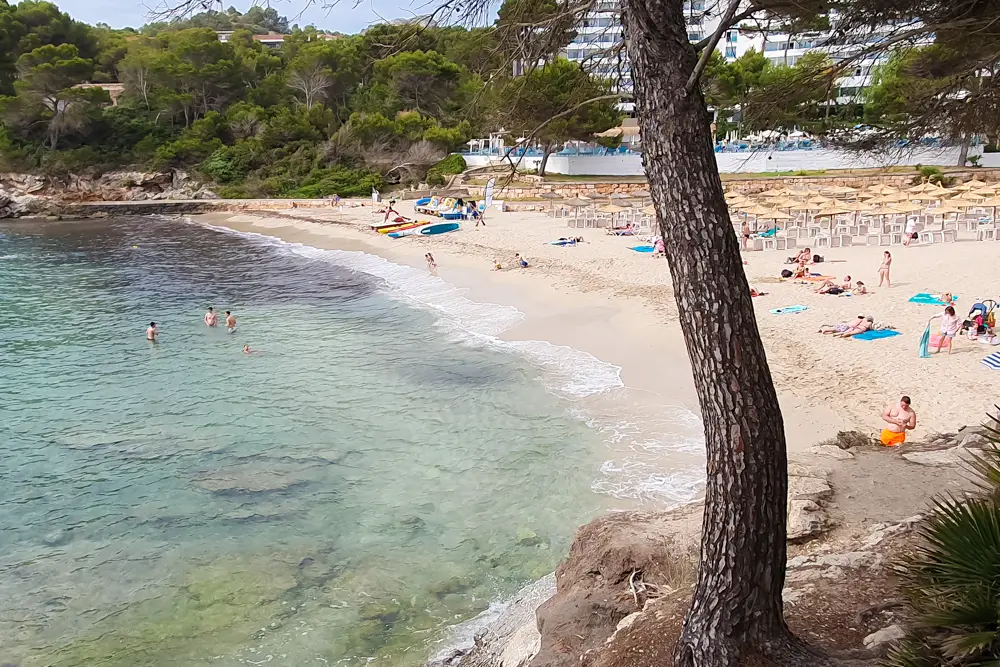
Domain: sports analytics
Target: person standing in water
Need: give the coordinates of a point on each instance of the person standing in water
(152, 332)
(211, 319)
(230, 322)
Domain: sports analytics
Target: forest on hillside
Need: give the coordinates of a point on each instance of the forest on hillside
(322, 114)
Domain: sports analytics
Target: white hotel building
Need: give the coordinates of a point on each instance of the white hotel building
(599, 34)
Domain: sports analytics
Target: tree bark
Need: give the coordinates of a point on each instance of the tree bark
(737, 605)
(963, 150)
(546, 152)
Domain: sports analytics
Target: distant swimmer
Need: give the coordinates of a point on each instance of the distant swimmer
(230, 322)
(247, 350)
(211, 319)
(152, 332)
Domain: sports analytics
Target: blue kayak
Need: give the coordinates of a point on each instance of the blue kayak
(440, 228)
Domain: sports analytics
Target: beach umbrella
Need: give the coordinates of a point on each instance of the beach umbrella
(612, 209)
(819, 200)
(974, 184)
(576, 205)
(967, 196)
(550, 195)
(617, 196)
(649, 210)
(924, 189)
(907, 207)
(882, 189)
(832, 211)
(641, 194)
(884, 209)
(838, 190)
(775, 192)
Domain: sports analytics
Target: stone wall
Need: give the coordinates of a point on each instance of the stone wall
(527, 197)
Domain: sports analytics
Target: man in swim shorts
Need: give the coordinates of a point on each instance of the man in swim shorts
(901, 418)
(230, 322)
(152, 332)
(211, 319)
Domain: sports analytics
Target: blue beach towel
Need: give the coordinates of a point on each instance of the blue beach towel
(925, 343)
(875, 335)
(642, 248)
(562, 243)
(992, 361)
(788, 310)
(926, 299)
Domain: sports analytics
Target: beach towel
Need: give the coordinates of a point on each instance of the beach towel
(875, 335)
(930, 300)
(788, 310)
(562, 243)
(642, 248)
(992, 361)
(818, 279)
(925, 342)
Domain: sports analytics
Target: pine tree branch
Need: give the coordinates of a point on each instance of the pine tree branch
(706, 54)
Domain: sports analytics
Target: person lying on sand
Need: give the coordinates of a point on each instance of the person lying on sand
(803, 257)
(841, 328)
(830, 287)
(756, 292)
(859, 329)
(801, 271)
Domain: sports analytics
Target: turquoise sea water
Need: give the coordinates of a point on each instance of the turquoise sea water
(375, 474)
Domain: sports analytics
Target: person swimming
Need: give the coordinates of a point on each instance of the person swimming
(247, 349)
(152, 332)
(230, 322)
(211, 319)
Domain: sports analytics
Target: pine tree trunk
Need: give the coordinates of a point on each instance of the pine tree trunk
(546, 151)
(737, 605)
(963, 150)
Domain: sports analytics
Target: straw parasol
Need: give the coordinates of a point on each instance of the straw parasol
(641, 194)
(882, 189)
(838, 190)
(649, 210)
(907, 207)
(992, 202)
(974, 184)
(618, 196)
(968, 196)
(832, 211)
(550, 195)
(776, 192)
(576, 205)
(884, 209)
(612, 209)
(923, 188)
(741, 205)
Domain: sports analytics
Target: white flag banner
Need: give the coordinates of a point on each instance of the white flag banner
(489, 191)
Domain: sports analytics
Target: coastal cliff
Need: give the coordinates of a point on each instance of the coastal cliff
(623, 590)
(24, 195)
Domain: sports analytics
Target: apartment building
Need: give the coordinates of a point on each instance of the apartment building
(600, 34)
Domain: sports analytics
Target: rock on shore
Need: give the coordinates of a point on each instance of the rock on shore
(29, 194)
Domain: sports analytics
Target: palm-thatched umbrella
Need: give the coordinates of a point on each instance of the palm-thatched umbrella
(551, 197)
(944, 210)
(992, 202)
(576, 205)
(838, 190)
(614, 210)
(967, 196)
(761, 212)
(831, 211)
(641, 194)
(882, 189)
(974, 184)
(618, 196)
(923, 188)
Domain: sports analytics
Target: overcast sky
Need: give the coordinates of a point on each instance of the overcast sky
(345, 17)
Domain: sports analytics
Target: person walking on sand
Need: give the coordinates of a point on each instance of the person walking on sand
(211, 319)
(900, 419)
(152, 332)
(883, 270)
(230, 322)
(950, 324)
(911, 231)
(431, 264)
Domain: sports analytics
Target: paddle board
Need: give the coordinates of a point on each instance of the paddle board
(403, 226)
(439, 228)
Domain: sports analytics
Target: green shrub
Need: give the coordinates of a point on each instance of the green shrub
(991, 148)
(184, 151)
(335, 181)
(930, 174)
(231, 163)
(952, 581)
(453, 164)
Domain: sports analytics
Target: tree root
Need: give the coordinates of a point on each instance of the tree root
(647, 591)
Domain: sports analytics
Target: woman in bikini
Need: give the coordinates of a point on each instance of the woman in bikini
(883, 270)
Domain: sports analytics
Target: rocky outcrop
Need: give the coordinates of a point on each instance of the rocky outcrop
(29, 194)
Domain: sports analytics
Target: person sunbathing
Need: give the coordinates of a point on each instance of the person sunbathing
(801, 271)
(859, 329)
(830, 287)
(803, 257)
(842, 328)
(859, 288)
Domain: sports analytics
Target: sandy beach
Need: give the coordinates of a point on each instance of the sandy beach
(617, 305)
